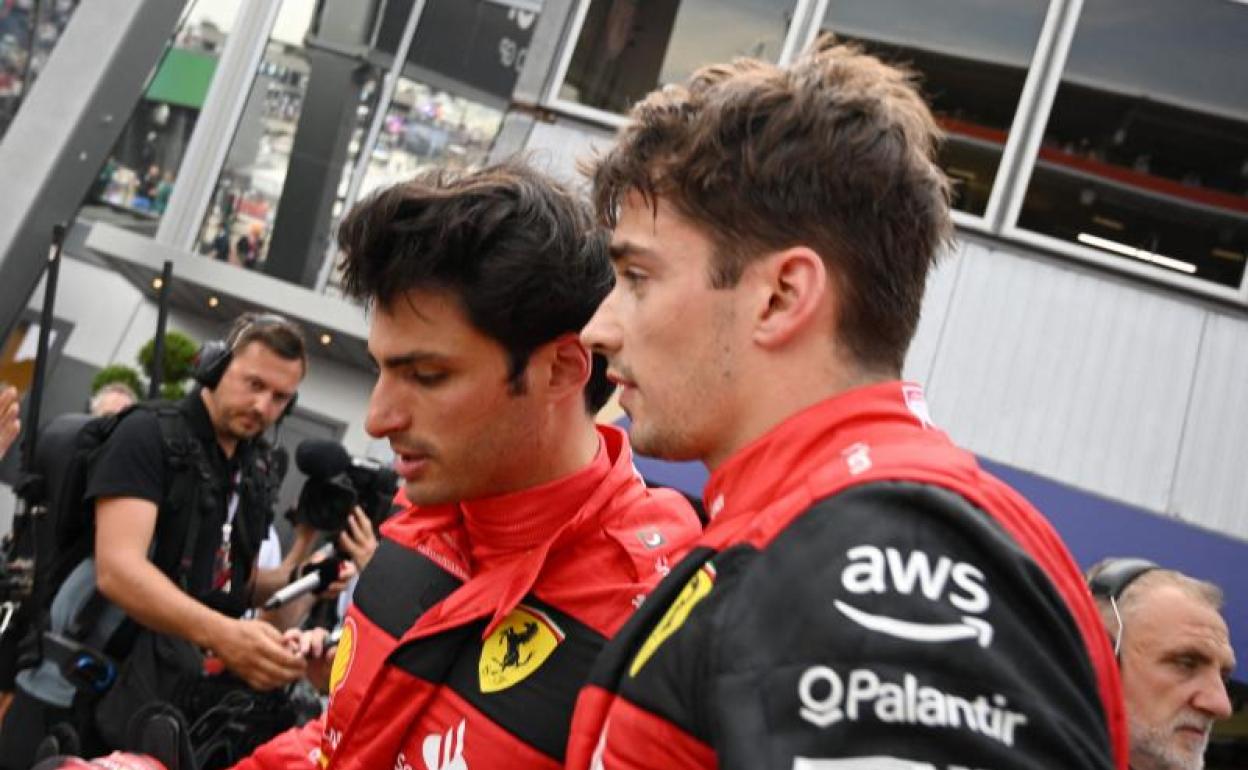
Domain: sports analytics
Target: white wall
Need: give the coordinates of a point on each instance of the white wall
(1116, 387)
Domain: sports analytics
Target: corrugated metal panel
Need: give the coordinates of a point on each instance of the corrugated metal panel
(941, 284)
(1068, 374)
(1211, 488)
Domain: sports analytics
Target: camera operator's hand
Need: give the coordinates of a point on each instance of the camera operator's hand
(254, 651)
(10, 423)
(311, 644)
(358, 541)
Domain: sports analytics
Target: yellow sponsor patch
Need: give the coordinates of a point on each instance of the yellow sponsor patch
(517, 648)
(342, 658)
(694, 591)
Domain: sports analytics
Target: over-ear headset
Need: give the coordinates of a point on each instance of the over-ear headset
(1112, 580)
(214, 356)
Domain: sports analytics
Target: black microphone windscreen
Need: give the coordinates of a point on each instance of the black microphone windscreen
(319, 458)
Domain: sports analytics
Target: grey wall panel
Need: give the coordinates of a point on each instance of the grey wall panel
(1211, 488)
(1065, 373)
(941, 284)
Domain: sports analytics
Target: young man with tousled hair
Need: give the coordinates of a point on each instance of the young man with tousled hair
(865, 595)
(1175, 654)
(529, 536)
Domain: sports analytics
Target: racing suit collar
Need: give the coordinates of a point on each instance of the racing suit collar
(515, 523)
(775, 463)
(550, 515)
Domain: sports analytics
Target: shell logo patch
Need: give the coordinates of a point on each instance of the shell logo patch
(517, 648)
(343, 657)
(694, 591)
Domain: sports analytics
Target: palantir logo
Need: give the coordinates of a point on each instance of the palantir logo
(826, 699)
(821, 692)
(445, 751)
(872, 570)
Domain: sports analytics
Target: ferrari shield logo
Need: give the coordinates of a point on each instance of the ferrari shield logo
(517, 648)
(694, 591)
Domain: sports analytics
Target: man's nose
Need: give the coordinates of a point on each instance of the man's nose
(1212, 697)
(384, 417)
(602, 333)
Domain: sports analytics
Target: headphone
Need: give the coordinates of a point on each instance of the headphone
(1112, 580)
(214, 356)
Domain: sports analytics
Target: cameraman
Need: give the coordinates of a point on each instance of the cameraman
(195, 600)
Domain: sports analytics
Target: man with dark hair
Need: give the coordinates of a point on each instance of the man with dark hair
(175, 542)
(1175, 654)
(529, 537)
(865, 595)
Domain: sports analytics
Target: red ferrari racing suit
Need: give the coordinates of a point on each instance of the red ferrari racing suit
(476, 624)
(865, 596)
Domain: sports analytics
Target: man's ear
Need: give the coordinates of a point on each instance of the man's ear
(794, 288)
(566, 364)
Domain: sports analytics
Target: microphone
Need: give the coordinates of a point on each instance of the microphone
(319, 576)
(319, 458)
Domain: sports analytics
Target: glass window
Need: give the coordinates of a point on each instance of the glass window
(429, 128)
(238, 225)
(1145, 155)
(972, 57)
(29, 30)
(626, 48)
(133, 187)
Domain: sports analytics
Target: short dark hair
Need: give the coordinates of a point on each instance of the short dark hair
(282, 336)
(835, 152)
(520, 253)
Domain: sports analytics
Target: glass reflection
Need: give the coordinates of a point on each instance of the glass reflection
(1145, 155)
(628, 47)
(29, 30)
(972, 57)
(239, 221)
(428, 128)
(134, 185)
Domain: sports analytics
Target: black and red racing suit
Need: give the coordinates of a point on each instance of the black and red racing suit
(475, 625)
(866, 596)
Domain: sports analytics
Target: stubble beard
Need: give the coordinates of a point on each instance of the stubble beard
(1153, 748)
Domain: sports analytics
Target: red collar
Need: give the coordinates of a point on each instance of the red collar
(498, 528)
(509, 538)
(782, 459)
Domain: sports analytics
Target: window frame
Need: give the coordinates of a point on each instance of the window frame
(1009, 229)
(552, 100)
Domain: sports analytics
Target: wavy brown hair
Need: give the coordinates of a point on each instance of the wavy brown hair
(835, 152)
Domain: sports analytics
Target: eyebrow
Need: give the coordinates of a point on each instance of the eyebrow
(407, 359)
(620, 249)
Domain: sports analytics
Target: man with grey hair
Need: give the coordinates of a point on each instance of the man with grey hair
(112, 398)
(1174, 653)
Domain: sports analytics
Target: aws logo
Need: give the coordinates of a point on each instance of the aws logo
(520, 645)
(694, 591)
(873, 570)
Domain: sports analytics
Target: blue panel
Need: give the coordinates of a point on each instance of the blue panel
(1095, 528)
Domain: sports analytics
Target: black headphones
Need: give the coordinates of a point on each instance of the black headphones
(214, 356)
(1112, 580)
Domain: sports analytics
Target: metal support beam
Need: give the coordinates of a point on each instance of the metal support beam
(67, 125)
(388, 85)
(305, 212)
(215, 127)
